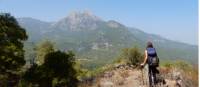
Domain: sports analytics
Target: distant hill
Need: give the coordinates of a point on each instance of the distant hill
(101, 41)
(169, 49)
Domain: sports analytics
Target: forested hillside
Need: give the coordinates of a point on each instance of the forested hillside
(100, 41)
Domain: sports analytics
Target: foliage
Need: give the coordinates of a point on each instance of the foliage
(188, 72)
(42, 49)
(12, 37)
(131, 56)
(57, 71)
(61, 66)
(180, 64)
(81, 72)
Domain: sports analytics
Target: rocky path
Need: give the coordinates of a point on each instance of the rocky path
(123, 77)
(126, 77)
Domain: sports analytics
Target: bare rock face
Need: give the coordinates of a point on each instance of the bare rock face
(77, 21)
(114, 24)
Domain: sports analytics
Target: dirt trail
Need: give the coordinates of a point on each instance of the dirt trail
(126, 77)
(122, 77)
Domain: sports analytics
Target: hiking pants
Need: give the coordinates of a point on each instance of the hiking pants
(152, 72)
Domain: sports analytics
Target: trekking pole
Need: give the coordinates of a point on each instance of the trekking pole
(142, 77)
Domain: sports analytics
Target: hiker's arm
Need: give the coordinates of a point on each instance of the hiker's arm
(145, 57)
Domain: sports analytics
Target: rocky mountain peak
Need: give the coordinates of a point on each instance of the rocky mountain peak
(78, 21)
(82, 16)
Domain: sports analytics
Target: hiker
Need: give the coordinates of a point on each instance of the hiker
(152, 60)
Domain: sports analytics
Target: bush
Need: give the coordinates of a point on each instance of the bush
(134, 56)
(188, 73)
(57, 71)
(131, 56)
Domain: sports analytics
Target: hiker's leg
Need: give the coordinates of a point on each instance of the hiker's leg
(154, 78)
(154, 71)
(150, 79)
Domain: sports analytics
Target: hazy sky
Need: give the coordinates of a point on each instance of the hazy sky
(172, 19)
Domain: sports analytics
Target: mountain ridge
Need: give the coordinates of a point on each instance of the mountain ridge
(20, 19)
(93, 38)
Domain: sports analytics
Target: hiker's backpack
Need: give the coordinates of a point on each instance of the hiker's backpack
(153, 59)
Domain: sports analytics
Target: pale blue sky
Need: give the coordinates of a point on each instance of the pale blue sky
(172, 19)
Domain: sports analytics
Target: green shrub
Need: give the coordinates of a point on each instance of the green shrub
(131, 56)
(57, 71)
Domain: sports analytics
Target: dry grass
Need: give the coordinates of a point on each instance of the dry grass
(124, 74)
